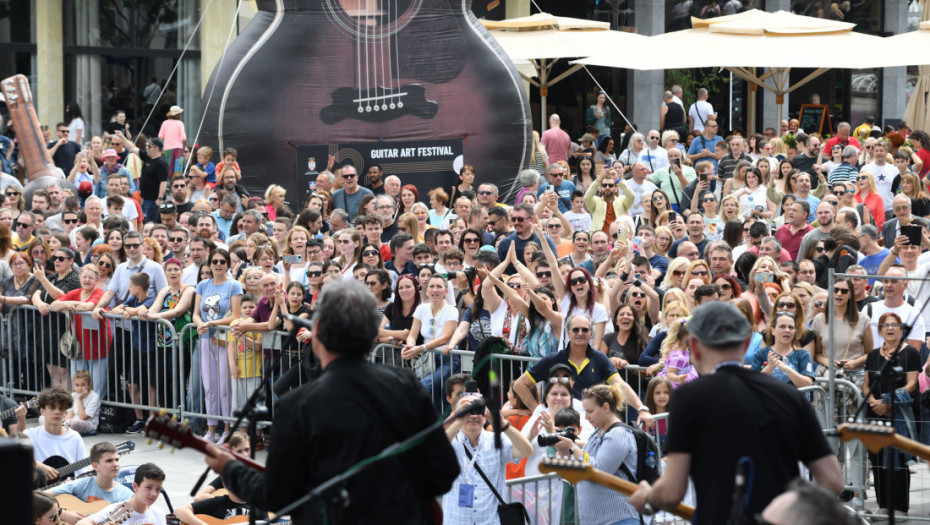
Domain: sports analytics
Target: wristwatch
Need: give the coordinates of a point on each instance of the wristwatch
(649, 509)
(643, 408)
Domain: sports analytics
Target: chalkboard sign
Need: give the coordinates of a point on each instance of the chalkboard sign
(815, 117)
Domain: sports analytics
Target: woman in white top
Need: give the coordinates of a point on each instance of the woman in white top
(435, 320)
(579, 296)
(547, 507)
(75, 122)
(349, 245)
(295, 244)
(633, 151)
(752, 199)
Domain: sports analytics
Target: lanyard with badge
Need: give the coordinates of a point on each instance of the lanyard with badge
(467, 489)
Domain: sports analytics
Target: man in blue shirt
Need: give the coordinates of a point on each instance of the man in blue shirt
(349, 197)
(561, 187)
(523, 233)
(704, 147)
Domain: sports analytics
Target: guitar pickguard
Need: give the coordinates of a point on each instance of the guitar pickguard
(379, 104)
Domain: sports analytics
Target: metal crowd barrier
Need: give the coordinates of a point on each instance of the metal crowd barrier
(543, 497)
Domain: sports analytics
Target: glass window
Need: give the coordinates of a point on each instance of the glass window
(914, 13)
(137, 24)
(865, 90)
(18, 21)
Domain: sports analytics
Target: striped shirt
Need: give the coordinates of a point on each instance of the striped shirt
(599, 505)
(845, 172)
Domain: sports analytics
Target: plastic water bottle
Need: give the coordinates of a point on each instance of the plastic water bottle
(651, 460)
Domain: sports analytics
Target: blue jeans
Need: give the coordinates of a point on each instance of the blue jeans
(150, 211)
(435, 382)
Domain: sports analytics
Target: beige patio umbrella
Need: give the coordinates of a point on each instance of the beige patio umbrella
(543, 39)
(757, 39)
(917, 113)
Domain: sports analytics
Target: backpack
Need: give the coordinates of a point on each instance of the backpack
(645, 449)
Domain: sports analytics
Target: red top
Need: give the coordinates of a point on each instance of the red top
(924, 155)
(876, 207)
(94, 340)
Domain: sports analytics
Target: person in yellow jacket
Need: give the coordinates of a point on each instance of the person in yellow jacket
(607, 205)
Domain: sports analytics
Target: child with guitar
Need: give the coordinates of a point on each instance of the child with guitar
(102, 487)
(220, 507)
(52, 440)
(147, 488)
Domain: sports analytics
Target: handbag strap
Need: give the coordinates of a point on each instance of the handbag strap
(483, 476)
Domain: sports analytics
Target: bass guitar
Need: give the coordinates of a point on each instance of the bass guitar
(878, 436)
(577, 471)
(66, 470)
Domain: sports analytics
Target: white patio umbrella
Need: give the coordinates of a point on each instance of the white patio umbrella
(758, 39)
(544, 39)
(917, 114)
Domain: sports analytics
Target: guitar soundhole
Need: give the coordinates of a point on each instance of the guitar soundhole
(372, 19)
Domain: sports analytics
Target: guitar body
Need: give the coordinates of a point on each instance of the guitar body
(72, 503)
(328, 72)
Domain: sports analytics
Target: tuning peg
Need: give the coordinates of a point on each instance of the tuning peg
(149, 442)
(161, 446)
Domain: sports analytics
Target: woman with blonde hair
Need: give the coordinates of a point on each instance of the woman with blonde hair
(674, 275)
(295, 244)
(539, 159)
(920, 199)
(421, 212)
(407, 223)
(664, 240)
(439, 200)
(867, 195)
(252, 243)
(251, 279)
(729, 209)
(697, 270)
(779, 150)
(674, 311)
(274, 199)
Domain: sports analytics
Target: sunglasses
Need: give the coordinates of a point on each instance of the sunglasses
(349, 176)
(178, 186)
(370, 252)
(106, 265)
(564, 380)
(637, 294)
(700, 273)
(69, 221)
(485, 193)
(515, 286)
(213, 199)
(863, 178)
(555, 226)
(178, 239)
(725, 286)
(60, 258)
(788, 305)
(543, 274)
(12, 193)
(819, 304)
(520, 219)
(580, 330)
(709, 200)
(132, 246)
(314, 273)
(471, 240)
(841, 291)
(578, 280)
(218, 261)
(819, 249)
(23, 225)
(608, 186)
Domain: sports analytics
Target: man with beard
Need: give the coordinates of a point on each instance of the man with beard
(179, 194)
(825, 216)
(696, 235)
(606, 208)
(373, 179)
(229, 185)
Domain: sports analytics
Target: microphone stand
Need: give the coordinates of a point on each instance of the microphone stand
(342, 497)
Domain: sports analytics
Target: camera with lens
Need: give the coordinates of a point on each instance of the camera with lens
(551, 440)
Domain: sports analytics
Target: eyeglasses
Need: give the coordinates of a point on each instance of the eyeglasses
(314, 273)
(134, 246)
(658, 198)
(218, 261)
(842, 291)
(709, 200)
(344, 241)
(637, 294)
(69, 221)
(890, 325)
(788, 305)
(367, 253)
(542, 275)
(580, 330)
(578, 280)
(55, 518)
(104, 264)
(564, 380)
(60, 258)
(485, 192)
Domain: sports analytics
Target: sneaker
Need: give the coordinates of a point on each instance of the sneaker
(136, 428)
(856, 503)
(209, 436)
(222, 438)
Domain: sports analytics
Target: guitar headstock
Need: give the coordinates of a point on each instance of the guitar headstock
(874, 436)
(169, 431)
(120, 514)
(569, 469)
(125, 447)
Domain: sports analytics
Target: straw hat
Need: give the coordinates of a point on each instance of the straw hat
(175, 110)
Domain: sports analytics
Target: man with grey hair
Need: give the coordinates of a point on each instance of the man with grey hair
(562, 188)
(842, 138)
(718, 337)
(771, 247)
(807, 504)
(556, 141)
(846, 171)
(579, 331)
(700, 112)
(487, 195)
(392, 186)
(252, 222)
(325, 181)
(901, 208)
(395, 407)
(871, 254)
(338, 221)
(530, 180)
(860, 292)
(349, 197)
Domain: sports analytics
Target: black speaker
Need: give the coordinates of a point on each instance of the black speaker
(16, 481)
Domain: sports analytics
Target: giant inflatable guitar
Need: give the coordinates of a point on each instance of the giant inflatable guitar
(418, 86)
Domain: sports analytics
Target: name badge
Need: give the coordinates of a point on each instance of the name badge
(466, 495)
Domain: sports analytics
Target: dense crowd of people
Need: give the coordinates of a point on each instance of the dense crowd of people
(166, 271)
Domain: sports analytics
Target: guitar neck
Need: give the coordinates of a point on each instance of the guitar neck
(911, 446)
(203, 446)
(67, 470)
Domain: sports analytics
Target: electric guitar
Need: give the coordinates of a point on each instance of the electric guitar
(876, 437)
(66, 469)
(10, 412)
(576, 471)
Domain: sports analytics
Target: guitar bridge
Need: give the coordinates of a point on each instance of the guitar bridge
(378, 104)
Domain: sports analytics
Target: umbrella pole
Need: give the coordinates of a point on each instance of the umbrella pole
(543, 91)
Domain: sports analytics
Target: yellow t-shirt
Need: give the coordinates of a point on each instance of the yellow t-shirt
(249, 361)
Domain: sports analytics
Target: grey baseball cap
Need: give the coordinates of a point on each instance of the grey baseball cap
(719, 324)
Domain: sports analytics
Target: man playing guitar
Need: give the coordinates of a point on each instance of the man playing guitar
(103, 486)
(53, 439)
(147, 488)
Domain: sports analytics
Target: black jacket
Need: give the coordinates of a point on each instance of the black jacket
(352, 412)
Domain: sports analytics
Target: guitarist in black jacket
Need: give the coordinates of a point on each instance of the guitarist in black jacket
(352, 412)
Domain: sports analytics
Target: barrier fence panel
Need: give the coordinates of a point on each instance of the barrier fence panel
(543, 496)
